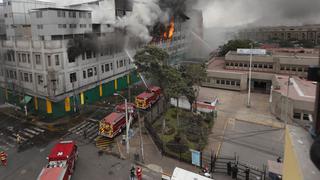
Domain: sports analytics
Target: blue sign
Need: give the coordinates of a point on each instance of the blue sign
(196, 157)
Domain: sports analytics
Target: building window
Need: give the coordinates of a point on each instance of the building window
(223, 82)
(218, 81)
(84, 74)
(265, 66)
(245, 65)
(90, 72)
(255, 65)
(238, 83)
(24, 58)
(294, 69)
(227, 82)
(73, 25)
(60, 26)
(88, 54)
(297, 115)
(95, 70)
(28, 58)
(282, 68)
(233, 83)
(270, 66)
(40, 26)
(30, 76)
(111, 66)
(26, 77)
(39, 14)
(83, 25)
(107, 67)
(72, 14)
(306, 117)
(102, 68)
(40, 79)
(300, 69)
(260, 65)
(73, 77)
(57, 60)
(89, 15)
(49, 60)
(240, 65)
(38, 59)
(61, 13)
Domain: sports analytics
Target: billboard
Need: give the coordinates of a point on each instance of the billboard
(252, 51)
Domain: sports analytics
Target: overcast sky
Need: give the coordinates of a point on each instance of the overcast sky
(229, 13)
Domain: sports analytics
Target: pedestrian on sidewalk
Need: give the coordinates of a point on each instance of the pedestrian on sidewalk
(18, 139)
(85, 134)
(132, 173)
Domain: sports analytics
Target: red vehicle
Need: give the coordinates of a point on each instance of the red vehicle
(131, 109)
(61, 162)
(112, 125)
(146, 99)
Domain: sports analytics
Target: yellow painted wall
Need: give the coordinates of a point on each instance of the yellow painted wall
(67, 106)
(49, 106)
(291, 169)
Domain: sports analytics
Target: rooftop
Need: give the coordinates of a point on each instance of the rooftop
(56, 8)
(299, 89)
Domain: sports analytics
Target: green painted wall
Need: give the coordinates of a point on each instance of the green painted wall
(91, 96)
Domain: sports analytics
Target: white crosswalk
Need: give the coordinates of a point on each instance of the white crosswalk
(9, 140)
(88, 127)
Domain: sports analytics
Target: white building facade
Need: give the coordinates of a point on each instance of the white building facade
(39, 66)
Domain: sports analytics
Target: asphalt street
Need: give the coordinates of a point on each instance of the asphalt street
(253, 143)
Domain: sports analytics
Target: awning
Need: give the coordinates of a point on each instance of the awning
(26, 100)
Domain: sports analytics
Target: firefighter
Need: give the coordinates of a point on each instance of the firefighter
(139, 173)
(3, 158)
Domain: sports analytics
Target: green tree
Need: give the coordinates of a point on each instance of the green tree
(151, 61)
(232, 45)
(193, 75)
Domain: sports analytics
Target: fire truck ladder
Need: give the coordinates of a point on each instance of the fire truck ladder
(141, 76)
(103, 143)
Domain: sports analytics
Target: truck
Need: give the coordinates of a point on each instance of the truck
(112, 125)
(61, 162)
(147, 98)
(131, 109)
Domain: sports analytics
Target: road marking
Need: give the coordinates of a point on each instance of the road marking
(220, 143)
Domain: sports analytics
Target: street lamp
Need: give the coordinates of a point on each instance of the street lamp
(250, 69)
(127, 123)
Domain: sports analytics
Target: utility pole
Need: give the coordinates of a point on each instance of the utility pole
(287, 102)
(250, 68)
(141, 139)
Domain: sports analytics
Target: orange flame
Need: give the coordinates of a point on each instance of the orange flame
(171, 29)
(165, 36)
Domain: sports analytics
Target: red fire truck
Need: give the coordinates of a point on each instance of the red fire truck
(146, 99)
(61, 162)
(112, 125)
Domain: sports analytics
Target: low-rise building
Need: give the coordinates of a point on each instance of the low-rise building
(305, 32)
(270, 74)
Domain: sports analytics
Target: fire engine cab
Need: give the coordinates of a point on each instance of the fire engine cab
(146, 99)
(61, 162)
(131, 109)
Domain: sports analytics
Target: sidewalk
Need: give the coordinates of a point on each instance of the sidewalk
(152, 156)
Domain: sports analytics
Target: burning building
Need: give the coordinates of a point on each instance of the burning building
(74, 55)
